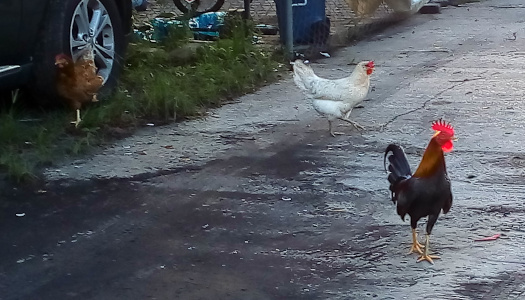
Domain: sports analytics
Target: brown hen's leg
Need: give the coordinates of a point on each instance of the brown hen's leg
(77, 122)
(425, 255)
(416, 246)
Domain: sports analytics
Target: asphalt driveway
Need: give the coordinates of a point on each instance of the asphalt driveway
(257, 201)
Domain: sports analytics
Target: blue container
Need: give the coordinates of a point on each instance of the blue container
(310, 24)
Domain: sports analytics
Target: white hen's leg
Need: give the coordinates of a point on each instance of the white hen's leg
(330, 128)
(332, 133)
(356, 125)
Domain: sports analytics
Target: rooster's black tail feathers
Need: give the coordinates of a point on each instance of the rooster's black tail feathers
(398, 166)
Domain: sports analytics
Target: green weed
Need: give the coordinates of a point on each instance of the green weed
(161, 82)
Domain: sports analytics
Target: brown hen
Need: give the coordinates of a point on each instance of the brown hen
(78, 82)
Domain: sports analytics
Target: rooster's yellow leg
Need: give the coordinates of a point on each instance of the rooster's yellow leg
(425, 255)
(416, 246)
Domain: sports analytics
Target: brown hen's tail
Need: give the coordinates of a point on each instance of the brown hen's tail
(398, 167)
(88, 55)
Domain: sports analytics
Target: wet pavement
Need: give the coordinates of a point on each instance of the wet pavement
(259, 202)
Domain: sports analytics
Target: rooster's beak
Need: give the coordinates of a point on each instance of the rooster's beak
(454, 138)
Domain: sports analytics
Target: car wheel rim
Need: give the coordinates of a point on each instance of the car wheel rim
(91, 24)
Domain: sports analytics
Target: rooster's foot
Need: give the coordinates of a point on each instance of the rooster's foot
(427, 257)
(416, 246)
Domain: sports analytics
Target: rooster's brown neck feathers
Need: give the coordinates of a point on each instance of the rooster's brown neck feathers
(433, 159)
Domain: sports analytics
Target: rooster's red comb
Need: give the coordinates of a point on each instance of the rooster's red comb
(370, 64)
(443, 126)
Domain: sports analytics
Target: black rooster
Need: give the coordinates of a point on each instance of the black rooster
(427, 191)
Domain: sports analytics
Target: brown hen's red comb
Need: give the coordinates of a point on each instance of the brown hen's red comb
(441, 125)
(62, 56)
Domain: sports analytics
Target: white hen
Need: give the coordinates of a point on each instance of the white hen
(334, 98)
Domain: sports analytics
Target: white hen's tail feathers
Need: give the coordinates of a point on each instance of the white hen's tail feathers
(302, 74)
(301, 69)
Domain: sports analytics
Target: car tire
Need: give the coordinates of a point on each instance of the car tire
(56, 37)
(184, 7)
